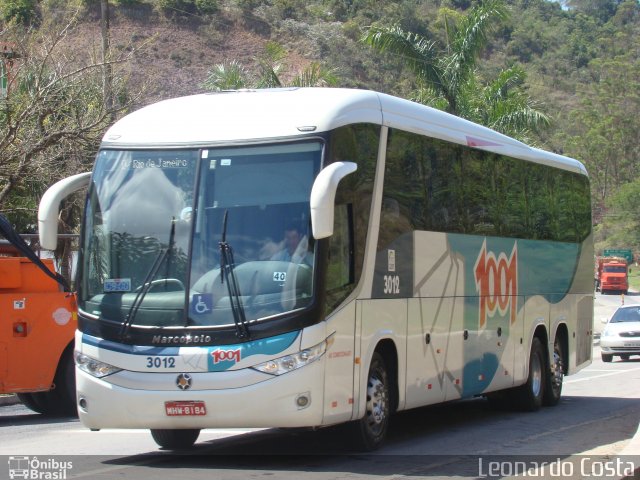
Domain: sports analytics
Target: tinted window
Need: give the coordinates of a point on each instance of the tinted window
(439, 186)
(359, 144)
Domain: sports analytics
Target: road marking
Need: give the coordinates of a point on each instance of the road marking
(617, 372)
(127, 431)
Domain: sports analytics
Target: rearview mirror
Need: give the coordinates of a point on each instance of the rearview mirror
(323, 196)
(50, 206)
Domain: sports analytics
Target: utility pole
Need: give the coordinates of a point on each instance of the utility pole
(107, 73)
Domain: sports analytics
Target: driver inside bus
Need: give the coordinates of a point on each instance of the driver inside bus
(295, 246)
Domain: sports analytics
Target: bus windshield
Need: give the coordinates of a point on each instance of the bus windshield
(615, 269)
(162, 224)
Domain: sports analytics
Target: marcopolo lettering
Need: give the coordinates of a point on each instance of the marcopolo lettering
(181, 339)
(497, 283)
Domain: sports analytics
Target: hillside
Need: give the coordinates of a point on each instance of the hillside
(582, 62)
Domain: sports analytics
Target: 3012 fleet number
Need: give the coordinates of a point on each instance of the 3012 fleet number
(161, 362)
(391, 284)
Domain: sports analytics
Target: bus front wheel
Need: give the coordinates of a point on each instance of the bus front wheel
(175, 439)
(370, 430)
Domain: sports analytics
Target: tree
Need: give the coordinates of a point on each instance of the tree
(621, 228)
(446, 75)
(605, 128)
(52, 118)
(19, 11)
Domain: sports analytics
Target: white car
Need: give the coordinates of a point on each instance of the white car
(621, 335)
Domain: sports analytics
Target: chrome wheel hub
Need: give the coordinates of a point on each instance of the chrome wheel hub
(376, 403)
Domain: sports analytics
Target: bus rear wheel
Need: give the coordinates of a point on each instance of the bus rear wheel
(371, 430)
(554, 377)
(175, 439)
(528, 397)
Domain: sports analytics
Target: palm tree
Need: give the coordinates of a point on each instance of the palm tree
(227, 76)
(446, 75)
(232, 75)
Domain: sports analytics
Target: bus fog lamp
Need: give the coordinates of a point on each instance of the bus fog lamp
(94, 367)
(303, 400)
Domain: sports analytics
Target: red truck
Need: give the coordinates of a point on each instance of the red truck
(612, 275)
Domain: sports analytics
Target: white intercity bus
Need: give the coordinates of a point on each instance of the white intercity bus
(308, 257)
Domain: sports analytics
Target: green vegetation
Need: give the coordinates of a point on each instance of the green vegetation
(446, 74)
(269, 72)
(565, 78)
(20, 11)
(634, 278)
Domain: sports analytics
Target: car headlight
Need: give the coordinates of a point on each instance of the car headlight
(292, 362)
(608, 333)
(94, 367)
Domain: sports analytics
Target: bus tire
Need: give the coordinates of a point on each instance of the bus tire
(554, 377)
(175, 439)
(528, 397)
(370, 431)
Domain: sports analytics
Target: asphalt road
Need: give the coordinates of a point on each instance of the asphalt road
(597, 416)
(595, 420)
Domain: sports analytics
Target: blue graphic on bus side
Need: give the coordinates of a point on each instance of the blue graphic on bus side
(499, 274)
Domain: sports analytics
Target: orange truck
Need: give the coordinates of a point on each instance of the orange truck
(37, 326)
(612, 275)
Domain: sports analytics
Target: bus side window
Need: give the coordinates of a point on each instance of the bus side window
(340, 271)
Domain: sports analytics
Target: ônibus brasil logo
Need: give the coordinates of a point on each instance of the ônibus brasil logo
(497, 283)
(33, 468)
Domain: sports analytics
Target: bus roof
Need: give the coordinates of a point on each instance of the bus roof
(257, 115)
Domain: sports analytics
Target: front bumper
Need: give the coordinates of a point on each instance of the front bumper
(270, 403)
(620, 345)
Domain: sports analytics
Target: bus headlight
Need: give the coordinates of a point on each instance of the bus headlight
(94, 367)
(292, 362)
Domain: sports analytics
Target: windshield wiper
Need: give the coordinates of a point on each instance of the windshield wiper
(227, 272)
(147, 283)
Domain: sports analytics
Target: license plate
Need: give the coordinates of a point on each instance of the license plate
(185, 409)
(632, 344)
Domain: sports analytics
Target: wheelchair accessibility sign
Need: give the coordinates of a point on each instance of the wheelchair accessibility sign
(201, 303)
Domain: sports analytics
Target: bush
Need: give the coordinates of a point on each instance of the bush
(177, 7)
(20, 11)
(127, 3)
(207, 7)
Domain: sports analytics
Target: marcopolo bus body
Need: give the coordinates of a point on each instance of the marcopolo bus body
(308, 257)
